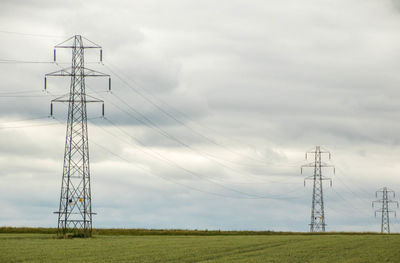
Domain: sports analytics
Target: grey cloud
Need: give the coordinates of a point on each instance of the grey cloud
(267, 80)
(396, 4)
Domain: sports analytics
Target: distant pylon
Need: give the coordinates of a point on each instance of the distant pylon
(75, 209)
(317, 208)
(384, 209)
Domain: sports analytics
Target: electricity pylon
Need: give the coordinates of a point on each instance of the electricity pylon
(384, 209)
(317, 208)
(75, 209)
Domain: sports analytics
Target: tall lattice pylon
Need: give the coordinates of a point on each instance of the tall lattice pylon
(75, 209)
(384, 209)
(317, 208)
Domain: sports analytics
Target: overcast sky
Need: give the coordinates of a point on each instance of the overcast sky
(236, 92)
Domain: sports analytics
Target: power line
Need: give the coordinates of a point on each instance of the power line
(358, 182)
(32, 125)
(166, 134)
(13, 61)
(171, 116)
(166, 178)
(19, 92)
(16, 61)
(348, 188)
(349, 202)
(149, 123)
(142, 143)
(30, 34)
(28, 119)
(170, 162)
(21, 96)
(161, 131)
(27, 126)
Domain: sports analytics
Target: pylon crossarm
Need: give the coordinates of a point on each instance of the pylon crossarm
(385, 189)
(68, 72)
(313, 151)
(322, 179)
(388, 211)
(67, 100)
(93, 73)
(323, 164)
(91, 213)
(65, 41)
(60, 73)
(325, 178)
(61, 98)
(67, 44)
(85, 47)
(94, 44)
(309, 165)
(93, 99)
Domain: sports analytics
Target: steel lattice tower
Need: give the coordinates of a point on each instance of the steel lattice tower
(75, 209)
(317, 208)
(384, 210)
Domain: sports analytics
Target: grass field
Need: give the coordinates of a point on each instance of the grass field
(34, 247)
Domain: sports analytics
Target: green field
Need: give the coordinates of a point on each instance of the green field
(34, 247)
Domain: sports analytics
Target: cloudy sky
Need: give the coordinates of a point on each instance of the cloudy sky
(214, 104)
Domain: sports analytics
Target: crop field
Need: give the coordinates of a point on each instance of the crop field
(36, 247)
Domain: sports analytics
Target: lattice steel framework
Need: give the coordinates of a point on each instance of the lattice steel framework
(317, 208)
(384, 209)
(75, 209)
